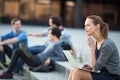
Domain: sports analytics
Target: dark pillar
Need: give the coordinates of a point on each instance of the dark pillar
(78, 13)
(63, 12)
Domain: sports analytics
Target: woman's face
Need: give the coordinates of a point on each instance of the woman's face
(90, 28)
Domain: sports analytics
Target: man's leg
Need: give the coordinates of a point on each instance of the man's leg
(8, 50)
(2, 57)
(18, 54)
(2, 60)
(19, 66)
(8, 73)
(30, 60)
(27, 56)
(36, 49)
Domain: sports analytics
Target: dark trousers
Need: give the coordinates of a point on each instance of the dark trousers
(65, 46)
(7, 50)
(34, 50)
(37, 49)
(30, 60)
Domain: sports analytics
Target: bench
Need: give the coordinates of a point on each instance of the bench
(62, 70)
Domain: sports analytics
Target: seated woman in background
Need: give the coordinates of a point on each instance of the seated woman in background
(104, 55)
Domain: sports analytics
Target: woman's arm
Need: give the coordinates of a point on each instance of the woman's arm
(91, 44)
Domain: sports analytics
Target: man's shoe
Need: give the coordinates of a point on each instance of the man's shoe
(6, 76)
(19, 72)
(24, 48)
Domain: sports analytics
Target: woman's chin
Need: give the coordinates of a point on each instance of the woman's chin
(88, 34)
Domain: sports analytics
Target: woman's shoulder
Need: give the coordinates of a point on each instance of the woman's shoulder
(109, 43)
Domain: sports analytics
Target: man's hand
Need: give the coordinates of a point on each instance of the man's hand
(1, 43)
(1, 47)
(37, 34)
(30, 34)
(47, 62)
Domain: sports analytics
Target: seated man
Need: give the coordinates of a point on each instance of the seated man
(13, 37)
(65, 39)
(52, 53)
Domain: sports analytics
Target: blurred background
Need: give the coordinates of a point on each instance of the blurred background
(72, 12)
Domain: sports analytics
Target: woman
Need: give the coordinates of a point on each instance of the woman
(104, 55)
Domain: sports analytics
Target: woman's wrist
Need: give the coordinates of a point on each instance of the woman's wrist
(92, 51)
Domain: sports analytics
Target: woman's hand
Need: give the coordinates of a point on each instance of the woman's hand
(87, 67)
(92, 46)
(90, 42)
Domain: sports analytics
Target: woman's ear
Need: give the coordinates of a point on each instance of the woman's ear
(98, 26)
